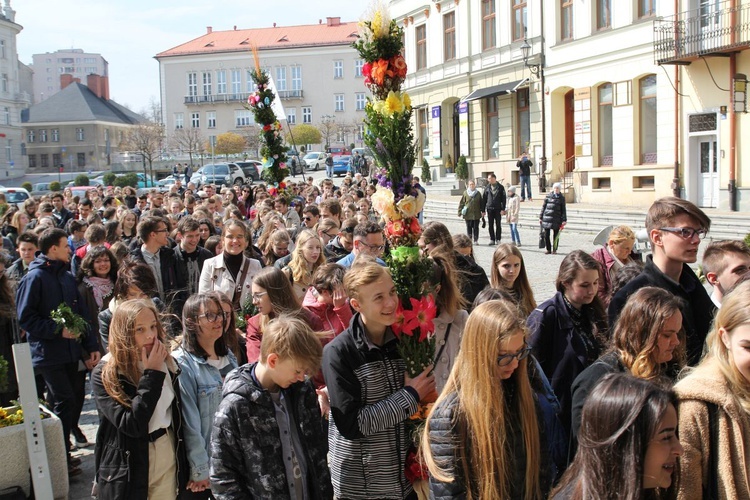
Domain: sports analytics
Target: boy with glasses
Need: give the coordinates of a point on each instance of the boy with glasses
(310, 216)
(368, 240)
(676, 228)
(155, 251)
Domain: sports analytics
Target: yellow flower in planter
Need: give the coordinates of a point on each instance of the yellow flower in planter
(408, 206)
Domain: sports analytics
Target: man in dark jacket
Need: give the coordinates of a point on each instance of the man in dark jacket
(524, 174)
(62, 215)
(493, 200)
(188, 259)
(160, 258)
(55, 353)
(27, 245)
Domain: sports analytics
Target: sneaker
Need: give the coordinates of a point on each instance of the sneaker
(80, 439)
(547, 252)
(518, 244)
(491, 243)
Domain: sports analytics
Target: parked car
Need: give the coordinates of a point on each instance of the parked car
(167, 181)
(219, 174)
(251, 169)
(315, 160)
(40, 188)
(80, 191)
(92, 182)
(341, 165)
(339, 151)
(15, 195)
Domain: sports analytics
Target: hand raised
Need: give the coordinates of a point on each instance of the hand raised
(424, 383)
(155, 359)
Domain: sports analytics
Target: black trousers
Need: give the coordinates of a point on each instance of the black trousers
(472, 229)
(494, 219)
(554, 241)
(61, 381)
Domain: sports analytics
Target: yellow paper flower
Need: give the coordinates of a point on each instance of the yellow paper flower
(407, 101)
(408, 206)
(379, 107)
(381, 20)
(393, 103)
(383, 203)
(420, 201)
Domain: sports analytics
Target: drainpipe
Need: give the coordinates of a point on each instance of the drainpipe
(542, 63)
(676, 174)
(732, 188)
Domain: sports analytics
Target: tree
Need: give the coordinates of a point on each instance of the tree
(327, 126)
(304, 134)
(188, 140)
(152, 112)
(82, 180)
(27, 186)
(130, 179)
(54, 186)
(146, 139)
(426, 176)
(229, 143)
(462, 169)
(251, 134)
(109, 179)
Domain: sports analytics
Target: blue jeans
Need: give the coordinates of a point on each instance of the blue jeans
(329, 171)
(514, 233)
(526, 181)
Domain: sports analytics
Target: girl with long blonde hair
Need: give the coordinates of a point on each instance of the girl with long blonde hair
(139, 440)
(482, 437)
(509, 273)
(307, 257)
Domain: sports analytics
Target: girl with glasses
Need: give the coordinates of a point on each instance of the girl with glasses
(482, 437)
(204, 356)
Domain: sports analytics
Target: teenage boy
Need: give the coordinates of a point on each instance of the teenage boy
(55, 354)
(62, 214)
(330, 209)
(368, 239)
(310, 216)
(155, 252)
(85, 208)
(267, 440)
(27, 244)
(290, 215)
(340, 246)
(676, 228)
(724, 263)
(188, 259)
(77, 239)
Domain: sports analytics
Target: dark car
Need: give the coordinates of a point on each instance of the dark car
(251, 169)
(341, 165)
(218, 174)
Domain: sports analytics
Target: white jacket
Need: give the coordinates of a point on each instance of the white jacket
(444, 364)
(216, 277)
(512, 208)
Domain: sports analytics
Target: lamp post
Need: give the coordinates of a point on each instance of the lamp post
(538, 70)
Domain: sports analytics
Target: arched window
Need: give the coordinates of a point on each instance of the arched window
(648, 119)
(605, 124)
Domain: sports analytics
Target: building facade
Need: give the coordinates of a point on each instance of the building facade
(12, 99)
(582, 86)
(205, 82)
(49, 66)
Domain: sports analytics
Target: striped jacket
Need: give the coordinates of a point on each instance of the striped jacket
(369, 404)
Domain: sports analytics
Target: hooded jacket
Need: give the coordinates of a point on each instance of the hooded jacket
(246, 452)
(553, 214)
(494, 199)
(334, 319)
(707, 384)
(47, 285)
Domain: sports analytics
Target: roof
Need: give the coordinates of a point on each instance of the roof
(280, 37)
(76, 103)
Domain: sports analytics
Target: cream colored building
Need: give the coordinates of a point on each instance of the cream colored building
(205, 82)
(12, 97)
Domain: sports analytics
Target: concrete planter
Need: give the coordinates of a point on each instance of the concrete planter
(15, 456)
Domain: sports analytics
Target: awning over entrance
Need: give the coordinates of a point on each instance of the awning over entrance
(495, 90)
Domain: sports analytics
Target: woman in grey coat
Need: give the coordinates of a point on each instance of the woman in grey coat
(470, 208)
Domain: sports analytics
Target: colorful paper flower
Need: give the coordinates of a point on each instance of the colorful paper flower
(408, 206)
(395, 228)
(421, 315)
(399, 65)
(393, 103)
(380, 70)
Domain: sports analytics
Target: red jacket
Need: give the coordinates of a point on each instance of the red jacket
(333, 319)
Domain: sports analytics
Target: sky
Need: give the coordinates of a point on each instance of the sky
(128, 33)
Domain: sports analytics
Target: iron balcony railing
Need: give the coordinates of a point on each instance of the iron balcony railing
(713, 28)
(208, 99)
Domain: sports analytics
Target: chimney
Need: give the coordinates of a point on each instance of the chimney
(235, 27)
(209, 30)
(65, 80)
(333, 21)
(94, 83)
(105, 87)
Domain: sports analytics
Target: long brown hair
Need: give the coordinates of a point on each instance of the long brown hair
(123, 350)
(300, 272)
(280, 293)
(191, 327)
(521, 286)
(576, 261)
(481, 412)
(448, 297)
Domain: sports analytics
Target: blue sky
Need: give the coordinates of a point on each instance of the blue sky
(128, 33)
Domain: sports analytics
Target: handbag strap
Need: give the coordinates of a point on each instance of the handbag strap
(240, 283)
(445, 342)
(711, 491)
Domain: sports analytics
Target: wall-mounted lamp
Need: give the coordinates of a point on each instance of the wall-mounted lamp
(739, 93)
(526, 51)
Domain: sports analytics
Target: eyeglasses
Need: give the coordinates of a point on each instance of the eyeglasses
(259, 295)
(212, 317)
(307, 218)
(506, 359)
(378, 248)
(686, 232)
(165, 230)
(331, 235)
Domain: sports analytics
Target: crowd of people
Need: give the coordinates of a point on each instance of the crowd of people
(239, 345)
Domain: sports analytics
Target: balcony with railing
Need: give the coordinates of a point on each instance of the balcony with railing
(715, 28)
(290, 94)
(210, 99)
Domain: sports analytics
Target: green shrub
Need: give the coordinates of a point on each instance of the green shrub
(462, 169)
(426, 177)
(130, 179)
(109, 179)
(27, 186)
(82, 180)
(747, 239)
(54, 186)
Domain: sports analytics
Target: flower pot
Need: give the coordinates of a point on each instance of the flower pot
(15, 456)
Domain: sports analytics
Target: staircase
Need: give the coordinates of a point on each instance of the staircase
(447, 186)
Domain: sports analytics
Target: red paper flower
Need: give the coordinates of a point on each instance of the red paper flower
(421, 315)
(282, 185)
(414, 227)
(398, 325)
(367, 73)
(395, 228)
(267, 128)
(399, 64)
(380, 71)
(414, 469)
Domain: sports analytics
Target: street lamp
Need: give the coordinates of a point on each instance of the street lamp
(538, 70)
(526, 51)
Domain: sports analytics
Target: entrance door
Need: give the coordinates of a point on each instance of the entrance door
(708, 181)
(570, 148)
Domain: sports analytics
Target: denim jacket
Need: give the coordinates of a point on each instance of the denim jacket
(200, 387)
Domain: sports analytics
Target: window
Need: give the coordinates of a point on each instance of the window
(648, 119)
(179, 120)
(81, 157)
(43, 135)
(6, 115)
(2, 49)
(646, 8)
(30, 136)
(206, 83)
(523, 132)
(236, 82)
(32, 161)
(338, 101)
(243, 118)
(361, 101)
(44, 160)
(493, 131)
(296, 77)
(566, 19)
(449, 36)
(291, 116)
(192, 84)
(519, 19)
(338, 69)
(421, 36)
(195, 120)
(56, 159)
(211, 119)
(603, 14)
(250, 83)
(79, 134)
(358, 63)
(4, 82)
(488, 24)
(306, 114)
(221, 82)
(605, 124)
(423, 120)
(9, 151)
(281, 78)
(360, 132)
(55, 135)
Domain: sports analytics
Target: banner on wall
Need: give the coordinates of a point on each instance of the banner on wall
(436, 139)
(463, 128)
